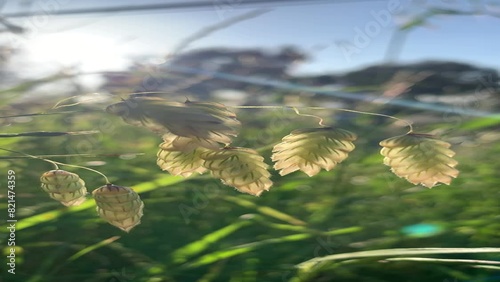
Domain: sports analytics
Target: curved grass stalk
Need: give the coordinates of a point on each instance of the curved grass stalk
(70, 155)
(395, 252)
(296, 109)
(56, 164)
(41, 114)
(487, 267)
(93, 247)
(58, 104)
(309, 115)
(438, 260)
(47, 133)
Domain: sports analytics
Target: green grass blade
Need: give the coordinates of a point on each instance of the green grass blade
(182, 254)
(217, 256)
(303, 229)
(248, 247)
(396, 252)
(265, 210)
(480, 123)
(93, 247)
(245, 248)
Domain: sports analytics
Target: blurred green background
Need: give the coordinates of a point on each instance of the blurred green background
(198, 229)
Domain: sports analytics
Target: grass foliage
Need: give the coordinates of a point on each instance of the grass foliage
(357, 222)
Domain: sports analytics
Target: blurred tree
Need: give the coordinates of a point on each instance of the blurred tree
(246, 62)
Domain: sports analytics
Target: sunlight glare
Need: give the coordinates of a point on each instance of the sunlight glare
(87, 52)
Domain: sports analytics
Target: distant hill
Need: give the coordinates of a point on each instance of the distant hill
(430, 77)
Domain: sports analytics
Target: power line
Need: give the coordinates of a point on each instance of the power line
(214, 4)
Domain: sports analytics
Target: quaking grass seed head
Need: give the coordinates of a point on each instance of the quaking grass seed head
(210, 122)
(312, 149)
(178, 161)
(420, 159)
(241, 168)
(63, 186)
(118, 205)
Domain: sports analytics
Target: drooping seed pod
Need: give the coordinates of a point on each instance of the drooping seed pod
(120, 206)
(241, 168)
(226, 117)
(420, 159)
(209, 121)
(312, 149)
(63, 186)
(179, 162)
(174, 142)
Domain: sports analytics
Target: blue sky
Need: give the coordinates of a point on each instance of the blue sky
(330, 32)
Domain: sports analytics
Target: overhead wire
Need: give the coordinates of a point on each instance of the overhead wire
(180, 5)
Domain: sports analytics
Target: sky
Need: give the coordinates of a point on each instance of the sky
(339, 35)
